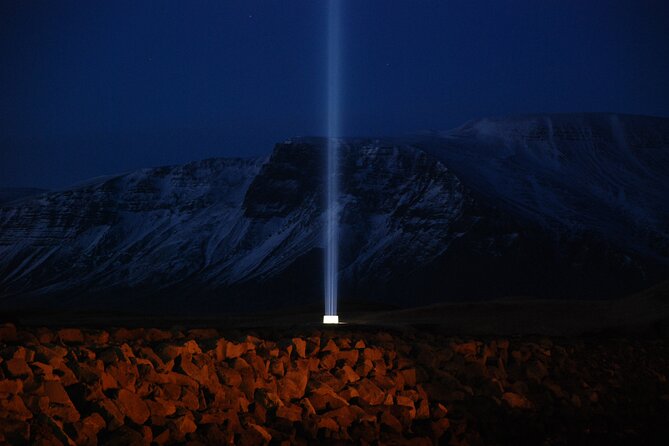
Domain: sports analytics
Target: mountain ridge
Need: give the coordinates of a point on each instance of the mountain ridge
(493, 208)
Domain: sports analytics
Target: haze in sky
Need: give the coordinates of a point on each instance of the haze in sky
(90, 88)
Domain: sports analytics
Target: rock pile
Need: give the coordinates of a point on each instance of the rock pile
(151, 386)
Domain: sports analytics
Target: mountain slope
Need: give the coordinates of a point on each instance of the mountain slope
(603, 173)
(548, 205)
(8, 194)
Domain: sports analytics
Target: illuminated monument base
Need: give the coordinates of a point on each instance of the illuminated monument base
(330, 319)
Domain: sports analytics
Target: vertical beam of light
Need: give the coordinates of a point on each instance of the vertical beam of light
(331, 229)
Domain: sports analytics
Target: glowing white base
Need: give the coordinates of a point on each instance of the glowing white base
(331, 319)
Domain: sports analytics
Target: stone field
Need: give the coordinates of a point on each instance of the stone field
(352, 385)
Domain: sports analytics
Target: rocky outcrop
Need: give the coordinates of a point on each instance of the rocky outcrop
(151, 386)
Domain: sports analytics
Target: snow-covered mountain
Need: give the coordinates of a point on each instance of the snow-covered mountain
(602, 173)
(544, 205)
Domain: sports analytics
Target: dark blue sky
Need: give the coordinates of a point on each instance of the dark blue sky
(93, 88)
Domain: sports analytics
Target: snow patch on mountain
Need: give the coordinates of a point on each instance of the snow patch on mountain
(555, 197)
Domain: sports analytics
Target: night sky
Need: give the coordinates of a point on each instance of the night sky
(95, 88)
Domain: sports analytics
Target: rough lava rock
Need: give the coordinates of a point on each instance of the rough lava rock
(418, 388)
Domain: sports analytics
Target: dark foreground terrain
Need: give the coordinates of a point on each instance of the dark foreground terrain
(359, 384)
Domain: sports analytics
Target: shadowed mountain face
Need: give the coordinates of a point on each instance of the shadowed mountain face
(549, 206)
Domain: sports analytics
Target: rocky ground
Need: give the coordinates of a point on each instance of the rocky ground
(329, 386)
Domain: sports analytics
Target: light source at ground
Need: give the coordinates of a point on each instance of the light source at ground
(331, 235)
(330, 319)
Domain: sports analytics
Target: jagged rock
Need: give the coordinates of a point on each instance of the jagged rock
(36, 403)
(189, 399)
(156, 361)
(125, 374)
(423, 410)
(179, 380)
(348, 393)
(277, 368)
(185, 365)
(17, 368)
(345, 415)
(409, 376)
(220, 350)
(350, 357)
(161, 407)
(26, 354)
(65, 374)
(325, 398)
(536, 371)
(66, 413)
(249, 383)
(327, 361)
(132, 406)
(293, 384)
(233, 350)
(96, 337)
(516, 400)
(291, 413)
(226, 418)
(229, 376)
(258, 364)
(87, 429)
(53, 431)
(14, 431)
(522, 355)
(406, 402)
(364, 368)
(182, 426)
(327, 423)
(380, 368)
(156, 335)
(71, 336)
(95, 422)
(108, 381)
(370, 392)
(389, 420)
(268, 400)
(126, 335)
(170, 391)
(300, 347)
(260, 434)
(439, 427)
(466, 349)
(14, 408)
(162, 438)
(372, 354)
(203, 333)
(112, 355)
(331, 347)
(347, 375)
(343, 343)
(111, 413)
(56, 392)
(313, 345)
(44, 335)
(11, 386)
(147, 434)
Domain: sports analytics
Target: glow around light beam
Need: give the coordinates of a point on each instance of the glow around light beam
(331, 223)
